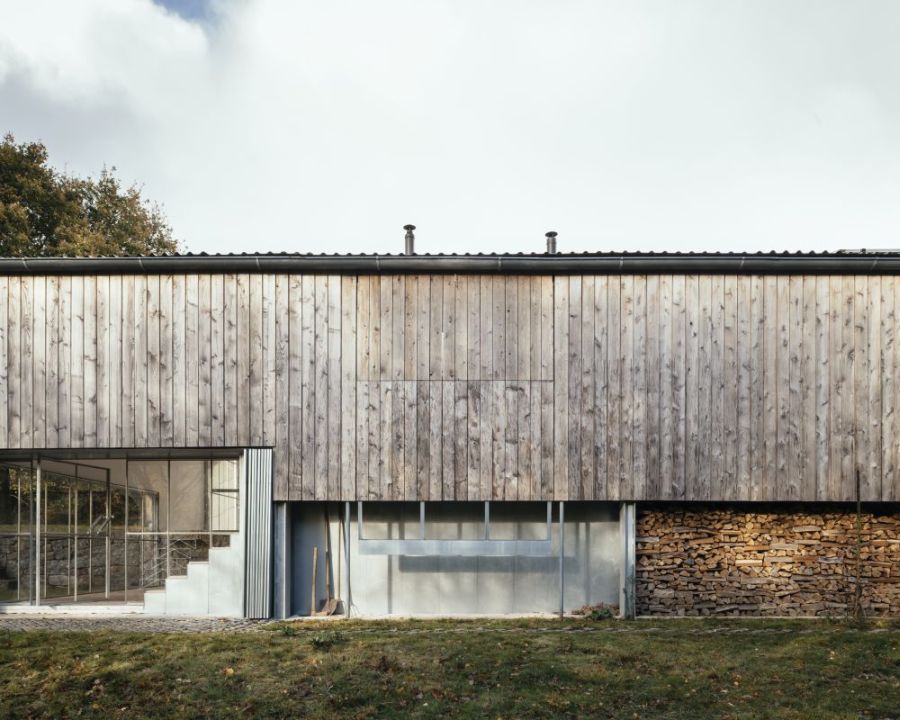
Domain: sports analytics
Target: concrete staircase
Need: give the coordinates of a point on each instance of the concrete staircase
(210, 587)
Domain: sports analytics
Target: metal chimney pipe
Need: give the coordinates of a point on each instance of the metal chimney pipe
(410, 240)
(551, 242)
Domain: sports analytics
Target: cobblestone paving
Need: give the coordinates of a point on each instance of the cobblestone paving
(129, 623)
(152, 624)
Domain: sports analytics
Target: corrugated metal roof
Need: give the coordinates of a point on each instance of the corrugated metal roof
(587, 253)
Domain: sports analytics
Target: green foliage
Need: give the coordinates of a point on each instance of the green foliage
(44, 212)
(288, 630)
(601, 612)
(326, 639)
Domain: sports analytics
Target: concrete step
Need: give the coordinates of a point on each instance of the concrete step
(155, 601)
(226, 581)
(198, 571)
(189, 594)
(209, 587)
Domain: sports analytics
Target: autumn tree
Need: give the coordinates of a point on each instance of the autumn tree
(45, 212)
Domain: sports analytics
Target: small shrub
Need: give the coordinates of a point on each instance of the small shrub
(597, 612)
(326, 639)
(601, 612)
(288, 630)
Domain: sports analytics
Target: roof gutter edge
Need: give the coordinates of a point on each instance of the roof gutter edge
(649, 264)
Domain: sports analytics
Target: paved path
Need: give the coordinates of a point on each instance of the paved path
(151, 624)
(128, 623)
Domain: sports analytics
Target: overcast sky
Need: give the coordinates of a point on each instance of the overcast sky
(325, 127)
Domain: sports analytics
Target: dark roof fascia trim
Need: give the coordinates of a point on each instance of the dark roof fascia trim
(74, 454)
(856, 264)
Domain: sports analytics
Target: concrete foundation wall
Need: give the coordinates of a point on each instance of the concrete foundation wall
(432, 585)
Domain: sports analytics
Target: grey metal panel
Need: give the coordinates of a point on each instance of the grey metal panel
(281, 579)
(481, 547)
(627, 526)
(457, 548)
(435, 585)
(258, 524)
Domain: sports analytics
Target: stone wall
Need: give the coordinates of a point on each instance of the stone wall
(765, 560)
(58, 561)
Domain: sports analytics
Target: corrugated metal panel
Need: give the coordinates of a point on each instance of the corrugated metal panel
(258, 513)
(281, 566)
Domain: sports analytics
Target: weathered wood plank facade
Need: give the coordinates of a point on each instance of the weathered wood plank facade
(473, 387)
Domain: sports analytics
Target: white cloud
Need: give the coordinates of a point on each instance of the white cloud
(325, 127)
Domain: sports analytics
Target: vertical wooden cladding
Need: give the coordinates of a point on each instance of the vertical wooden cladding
(680, 387)
(452, 327)
(186, 361)
(453, 387)
(480, 439)
(705, 387)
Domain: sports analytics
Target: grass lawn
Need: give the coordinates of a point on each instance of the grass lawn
(460, 669)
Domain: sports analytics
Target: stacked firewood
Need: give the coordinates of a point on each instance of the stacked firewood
(741, 560)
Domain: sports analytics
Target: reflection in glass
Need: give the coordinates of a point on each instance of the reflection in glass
(17, 508)
(107, 541)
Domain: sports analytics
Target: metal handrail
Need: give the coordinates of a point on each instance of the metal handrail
(99, 524)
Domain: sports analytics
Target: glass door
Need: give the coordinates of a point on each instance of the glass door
(18, 492)
(72, 532)
(55, 534)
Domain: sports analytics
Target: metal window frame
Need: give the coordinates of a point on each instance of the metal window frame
(33, 591)
(485, 547)
(40, 534)
(169, 535)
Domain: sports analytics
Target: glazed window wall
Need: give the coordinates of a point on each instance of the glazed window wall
(76, 532)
